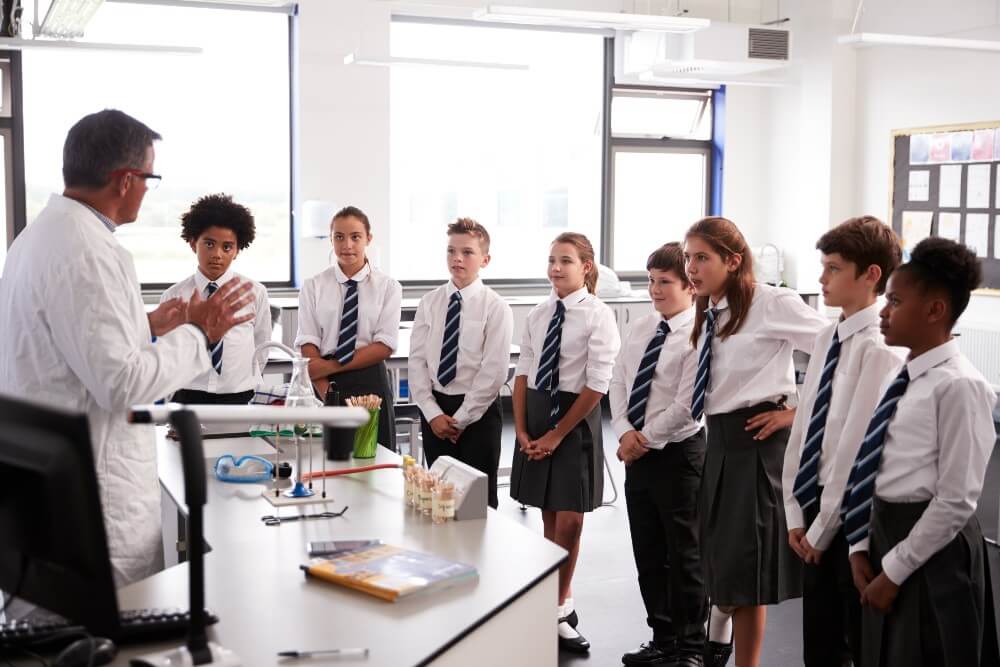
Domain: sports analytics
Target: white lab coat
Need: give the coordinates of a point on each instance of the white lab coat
(74, 335)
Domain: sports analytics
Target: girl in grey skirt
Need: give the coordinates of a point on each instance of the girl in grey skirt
(567, 354)
(745, 333)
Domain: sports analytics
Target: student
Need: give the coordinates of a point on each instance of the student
(349, 321)
(217, 229)
(567, 354)
(459, 356)
(909, 511)
(846, 370)
(745, 333)
(663, 449)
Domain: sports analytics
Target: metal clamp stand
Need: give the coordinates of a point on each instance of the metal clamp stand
(198, 650)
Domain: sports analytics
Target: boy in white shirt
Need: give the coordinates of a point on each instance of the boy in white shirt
(846, 370)
(217, 229)
(663, 449)
(459, 358)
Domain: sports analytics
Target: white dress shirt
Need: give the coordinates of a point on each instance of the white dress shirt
(865, 364)
(754, 365)
(668, 410)
(486, 329)
(238, 372)
(590, 342)
(936, 448)
(76, 337)
(321, 301)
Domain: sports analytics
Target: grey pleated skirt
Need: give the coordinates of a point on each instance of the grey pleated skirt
(570, 480)
(937, 619)
(744, 537)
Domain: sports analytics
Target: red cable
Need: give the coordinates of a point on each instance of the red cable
(347, 471)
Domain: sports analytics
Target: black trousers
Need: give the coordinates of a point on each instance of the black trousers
(195, 397)
(478, 446)
(661, 495)
(831, 606)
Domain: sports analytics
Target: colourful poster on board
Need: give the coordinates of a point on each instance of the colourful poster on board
(940, 147)
(920, 148)
(961, 146)
(982, 145)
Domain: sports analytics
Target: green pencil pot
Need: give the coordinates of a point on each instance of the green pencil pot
(366, 437)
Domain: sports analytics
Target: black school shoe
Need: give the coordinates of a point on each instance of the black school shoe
(717, 654)
(689, 660)
(651, 653)
(577, 644)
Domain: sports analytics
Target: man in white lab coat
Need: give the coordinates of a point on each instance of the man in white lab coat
(75, 334)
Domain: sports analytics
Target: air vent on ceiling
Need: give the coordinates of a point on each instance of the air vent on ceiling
(767, 44)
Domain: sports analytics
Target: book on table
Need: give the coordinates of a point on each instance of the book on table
(389, 572)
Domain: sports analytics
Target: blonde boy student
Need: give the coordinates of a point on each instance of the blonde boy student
(459, 357)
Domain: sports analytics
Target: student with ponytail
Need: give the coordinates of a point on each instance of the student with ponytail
(745, 333)
(568, 352)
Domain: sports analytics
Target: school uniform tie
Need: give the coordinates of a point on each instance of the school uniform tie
(448, 365)
(704, 366)
(806, 485)
(217, 347)
(856, 510)
(548, 368)
(636, 412)
(348, 325)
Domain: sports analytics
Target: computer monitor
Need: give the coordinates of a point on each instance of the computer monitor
(53, 547)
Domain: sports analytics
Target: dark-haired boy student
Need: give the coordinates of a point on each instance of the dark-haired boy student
(846, 371)
(663, 449)
(909, 511)
(217, 229)
(459, 357)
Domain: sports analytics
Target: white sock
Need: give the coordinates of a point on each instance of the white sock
(720, 626)
(567, 608)
(566, 631)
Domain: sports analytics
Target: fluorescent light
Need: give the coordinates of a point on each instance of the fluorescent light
(67, 19)
(354, 59)
(21, 44)
(885, 39)
(573, 18)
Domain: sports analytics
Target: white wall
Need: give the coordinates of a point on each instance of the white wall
(913, 87)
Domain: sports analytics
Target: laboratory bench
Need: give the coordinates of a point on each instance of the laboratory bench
(265, 604)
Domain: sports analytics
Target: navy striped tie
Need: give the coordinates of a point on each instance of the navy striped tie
(348, 325)
(856, 510)
(548, 368)
(644, 377)
(448, 365)
(217, 348)
(704, 366)
(807, 479)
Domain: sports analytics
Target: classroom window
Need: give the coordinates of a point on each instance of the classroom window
(519, 150)
(221, 131)
(659, 170)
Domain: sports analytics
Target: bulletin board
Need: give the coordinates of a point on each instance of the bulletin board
(944, 183)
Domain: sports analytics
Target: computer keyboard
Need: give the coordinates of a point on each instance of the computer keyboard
(43, 631)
